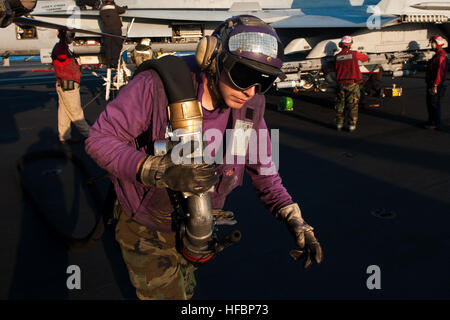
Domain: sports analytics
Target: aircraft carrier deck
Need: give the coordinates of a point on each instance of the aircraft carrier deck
(379, 196)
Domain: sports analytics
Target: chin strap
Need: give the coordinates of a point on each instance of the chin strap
(213, 86)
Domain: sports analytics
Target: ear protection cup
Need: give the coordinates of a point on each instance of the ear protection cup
(206, 51)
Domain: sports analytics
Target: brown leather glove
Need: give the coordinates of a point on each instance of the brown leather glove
(308, 246)
(161, 172)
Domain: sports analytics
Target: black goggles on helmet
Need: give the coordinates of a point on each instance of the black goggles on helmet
(243, 76)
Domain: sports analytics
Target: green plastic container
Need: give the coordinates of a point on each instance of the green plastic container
(286, 104)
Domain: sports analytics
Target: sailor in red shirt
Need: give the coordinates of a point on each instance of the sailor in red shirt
(68, 76)
(348, 78)
(435, 78)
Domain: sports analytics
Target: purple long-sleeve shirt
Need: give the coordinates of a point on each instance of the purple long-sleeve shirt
(111, 145)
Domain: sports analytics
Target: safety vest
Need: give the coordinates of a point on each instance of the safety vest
(437, 68)
(347, 68)
(64, 63)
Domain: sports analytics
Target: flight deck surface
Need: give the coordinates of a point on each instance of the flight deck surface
(379, 196)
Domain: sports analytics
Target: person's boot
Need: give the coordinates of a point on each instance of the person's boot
(339, 126)
(352, 127)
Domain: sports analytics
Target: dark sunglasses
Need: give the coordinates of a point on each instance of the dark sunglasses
(244, 77)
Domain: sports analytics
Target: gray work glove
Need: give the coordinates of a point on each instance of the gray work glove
(308, 246)
(161, 172)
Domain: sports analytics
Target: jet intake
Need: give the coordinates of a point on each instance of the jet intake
(26, 4)
(10, 9)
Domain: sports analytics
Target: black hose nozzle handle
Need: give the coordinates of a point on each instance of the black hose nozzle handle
(231, 238)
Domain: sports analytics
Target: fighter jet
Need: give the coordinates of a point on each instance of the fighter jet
(174, 26)
(23, 35)
(394, 33)
(10, 9)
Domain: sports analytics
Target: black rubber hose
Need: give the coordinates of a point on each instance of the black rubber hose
(176, 76)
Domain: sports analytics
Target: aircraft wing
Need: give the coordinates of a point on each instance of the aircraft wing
(327, 21)
(278, 18)
(208, 15)
(49, 25)
(186, 15)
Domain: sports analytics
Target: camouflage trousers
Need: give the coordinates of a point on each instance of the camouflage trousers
(156, 269)
(347, 100)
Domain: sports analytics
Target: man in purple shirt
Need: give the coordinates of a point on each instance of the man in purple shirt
(232, 70)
